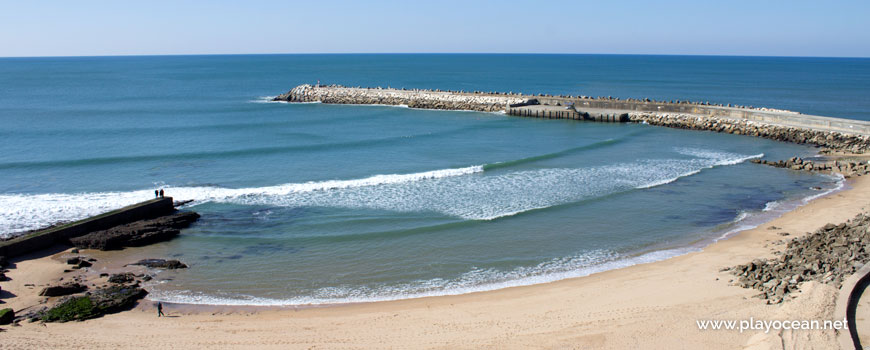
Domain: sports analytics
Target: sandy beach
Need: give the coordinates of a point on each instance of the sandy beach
(653, 305)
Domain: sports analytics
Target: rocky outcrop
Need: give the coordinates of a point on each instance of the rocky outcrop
(61, 290)
(848, 169)
(161, 264)
(137, 233)
(426, 99)
(102, 301)
(828, 255)
(851, 143)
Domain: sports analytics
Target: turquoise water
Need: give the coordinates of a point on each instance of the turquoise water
(313, 203)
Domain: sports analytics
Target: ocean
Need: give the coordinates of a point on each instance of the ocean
(318, 204)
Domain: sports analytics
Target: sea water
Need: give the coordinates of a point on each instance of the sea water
(317, 204)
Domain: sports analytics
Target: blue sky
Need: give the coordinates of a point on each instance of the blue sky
(737, 27)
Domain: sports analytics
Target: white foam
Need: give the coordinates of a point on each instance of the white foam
(447, 191)
(774, 209)
(451, 192)
(477, 280)
(26, 212)
(266, 99)
(841, 182)
(771, 205)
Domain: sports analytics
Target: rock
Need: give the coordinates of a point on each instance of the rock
(6, 316)
(3, 261)
(137, 233)
(161, 264)
(100, 302)
(61, 290)
(828, 255)
(121, 278)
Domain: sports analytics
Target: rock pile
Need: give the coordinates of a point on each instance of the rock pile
(848, 169)
(827, 139)
(138, 233)
(828, 255)
(427, 99)
(80, 262)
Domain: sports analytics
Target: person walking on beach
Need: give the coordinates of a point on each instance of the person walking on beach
(160, 309)
(161, 193)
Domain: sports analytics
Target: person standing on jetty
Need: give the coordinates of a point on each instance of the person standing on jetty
(156, 194)
(161, 193)
(160, 309)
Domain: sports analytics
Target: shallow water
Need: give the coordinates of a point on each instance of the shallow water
(314, 203)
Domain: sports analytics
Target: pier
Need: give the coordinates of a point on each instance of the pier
(560, 112)
(61, 234)
(837, 134)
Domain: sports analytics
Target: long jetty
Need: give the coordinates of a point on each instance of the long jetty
(838, 134)
(61, 234)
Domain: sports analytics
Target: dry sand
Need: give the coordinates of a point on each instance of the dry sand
(650, 306)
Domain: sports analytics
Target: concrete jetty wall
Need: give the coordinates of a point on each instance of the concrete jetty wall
(61, 234)
(833, 133)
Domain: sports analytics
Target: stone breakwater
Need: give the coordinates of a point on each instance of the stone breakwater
(844, 135)
(425, 99)
(831, 140)
(846, 168)
(828, 255)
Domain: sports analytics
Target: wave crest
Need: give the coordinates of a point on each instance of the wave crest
(450, 192)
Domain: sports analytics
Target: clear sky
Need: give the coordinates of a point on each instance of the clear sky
(736, 27)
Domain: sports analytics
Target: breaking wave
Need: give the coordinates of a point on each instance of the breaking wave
(480, 192)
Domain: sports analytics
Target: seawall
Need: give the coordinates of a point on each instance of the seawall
(61, 234)
(832, 133)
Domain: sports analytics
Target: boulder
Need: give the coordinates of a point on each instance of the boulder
(161, 264)
(61, 290)
(7, 316)
(100, 302)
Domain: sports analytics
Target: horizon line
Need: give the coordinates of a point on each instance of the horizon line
(428, 53)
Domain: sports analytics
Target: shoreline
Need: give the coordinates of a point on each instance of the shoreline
(647, 255)
(643, 295)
